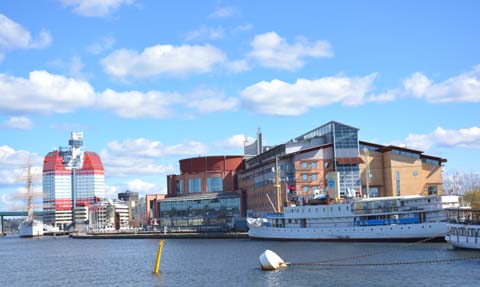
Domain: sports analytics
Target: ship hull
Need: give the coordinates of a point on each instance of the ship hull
(31, 229)
(393, 233)
(464, 240)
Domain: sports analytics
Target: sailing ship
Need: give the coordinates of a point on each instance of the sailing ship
(30, 227)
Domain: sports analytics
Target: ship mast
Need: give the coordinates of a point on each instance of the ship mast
(29, 192)
(277, 186)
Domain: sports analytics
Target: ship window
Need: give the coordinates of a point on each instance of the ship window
(339, 208)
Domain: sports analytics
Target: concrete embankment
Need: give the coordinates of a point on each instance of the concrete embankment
(155, 235)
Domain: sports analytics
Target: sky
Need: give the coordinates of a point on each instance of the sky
(152, 82)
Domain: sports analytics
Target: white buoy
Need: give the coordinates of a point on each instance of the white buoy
(269, 260)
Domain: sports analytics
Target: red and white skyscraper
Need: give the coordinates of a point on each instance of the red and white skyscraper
(71, 177)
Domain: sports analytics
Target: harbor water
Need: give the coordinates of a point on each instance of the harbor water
(63, 261)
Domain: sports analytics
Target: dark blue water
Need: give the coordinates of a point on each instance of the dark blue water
(215, 262)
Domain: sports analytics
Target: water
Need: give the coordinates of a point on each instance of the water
(215, 262)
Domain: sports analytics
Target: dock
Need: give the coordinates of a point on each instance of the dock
(161, 235)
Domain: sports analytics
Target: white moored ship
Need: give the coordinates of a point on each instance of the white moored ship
(464, 228)
(407, 218)
(30, 227)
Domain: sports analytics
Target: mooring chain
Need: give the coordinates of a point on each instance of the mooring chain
(386, 263)
(402, 246)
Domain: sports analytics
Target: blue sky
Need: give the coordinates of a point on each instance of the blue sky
(151, 82)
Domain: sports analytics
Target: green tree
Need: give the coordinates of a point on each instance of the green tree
(472, 198)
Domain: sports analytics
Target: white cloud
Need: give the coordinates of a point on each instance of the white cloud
(142, 147)
(135, 104)
(13, 165)
(440, 137)
(21, 123)
(105, 44)
(129, 165)
(235, 142)
(281, 98)
(223, 12)
(462, 88)
(14, 36)
(162, 60)
(95, 8)
(238, 66)
(388, 96)
(209, 101)
(273, 51)
(205, 33)
(141, 186)
(140, 156)
(44, 93)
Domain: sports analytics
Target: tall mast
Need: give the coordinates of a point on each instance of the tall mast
(367, 172)
(29, 192)
(277, 186)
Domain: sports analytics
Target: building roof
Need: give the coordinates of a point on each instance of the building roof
(383, 148)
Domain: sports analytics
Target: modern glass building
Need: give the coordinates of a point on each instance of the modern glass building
(206, 212)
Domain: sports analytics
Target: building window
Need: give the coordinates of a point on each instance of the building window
(315, 188)
(305, 177)
(397, 182)
(304, 164)
(314, 176)
(179, 186)
(194, 185)
(432, 190)
(214, 184)
(314, 164)
(305, 189)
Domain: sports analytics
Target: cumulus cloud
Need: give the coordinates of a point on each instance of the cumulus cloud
(105, 44)
(20, 123)
(281, 98)
(440, 137)
(235, 142)
(13, 164)
(95, 8)
(462, 88)
(135, 104)
(142, 147)
(223, 12)
(162, 60)
(272, 51)
(141, 186)
(209, 101)
(14, 36)
(45, 93)
(128, 165)
(140, 156)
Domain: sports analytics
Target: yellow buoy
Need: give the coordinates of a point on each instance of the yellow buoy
(159, 255)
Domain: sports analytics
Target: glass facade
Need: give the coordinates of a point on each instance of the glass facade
(194, 185)
(214, 184)
(179, 186)
(199, 214)
(345, 140)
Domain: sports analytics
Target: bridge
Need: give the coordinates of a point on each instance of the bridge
(17, 213)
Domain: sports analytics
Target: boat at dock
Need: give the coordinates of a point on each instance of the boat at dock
(30, 227)
(464, 228)
(405, 218)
